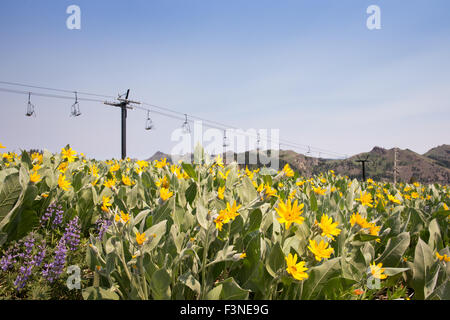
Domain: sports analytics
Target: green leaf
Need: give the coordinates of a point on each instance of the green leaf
(247, 191)
(361, 236)
(395, 248)
(189, 280)
(435, 241)
(394, 271)
(160, 285)
(190, 170)
(232, 291)
(201, 215)
(191, 192)
(9, 194)
(313, 201)
(214, 294)
(275, 260)
(92, 293)
(423, 260)
(154, 234)
(318, 278)
(255, 221)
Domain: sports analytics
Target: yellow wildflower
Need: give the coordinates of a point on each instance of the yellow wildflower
(127, 181)
(110, 183)
(163, 182)
(444, 257)
(219, 161)
(288, 171)
(161, 164)
(393, 199)
(140, 238)
(69, 154)
(297, 270)
(165, 194)
(220, 192)
(114, 168)
(300, 183)
(63, 166)
(321, 250)
(377, 271)
(290, 213)
(329, 229)
(63, 183)
(365, 199)
(319, 190)
(35, 177)
(106, 202)
(224, 176)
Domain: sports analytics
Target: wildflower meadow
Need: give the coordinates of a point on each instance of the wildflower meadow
(78, 228)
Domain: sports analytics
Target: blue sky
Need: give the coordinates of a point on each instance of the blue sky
(309, 68)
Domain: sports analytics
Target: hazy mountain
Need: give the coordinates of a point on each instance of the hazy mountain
(431, 167)
(441, 154)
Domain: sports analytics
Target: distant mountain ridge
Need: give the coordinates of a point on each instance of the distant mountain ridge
(431, 167)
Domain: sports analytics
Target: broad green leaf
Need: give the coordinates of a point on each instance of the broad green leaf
(275, 260)
(201, 214)
(189, 280)
(435, 240)
(313, 201)
(319, 277)
(160, 284)
(154, 235)
(395, 248)
(190, 170)
(255, 221)
(191, 192)
(214, 294)
(423, 261)
(9, 194)
(232, 291)
(92, 293)
(394, 271)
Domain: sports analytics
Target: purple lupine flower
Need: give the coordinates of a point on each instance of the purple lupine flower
(22, 277)
(7, 261)
(48, 214)
(10, 257)
(40, 255)
(102, 227)
(53, 270)
(27, 264)
(58, 217)
(72, 234)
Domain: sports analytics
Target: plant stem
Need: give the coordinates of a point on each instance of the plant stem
(205, 255)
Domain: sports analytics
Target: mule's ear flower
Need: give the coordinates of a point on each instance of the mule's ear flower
(290, 213)
(297, 270)
(329, 229)
(288, 171)
(140, 238)
(377, 272)
(2, 146)
(321, 250)
(63, 183)
(220, 192)
(165, 194)
(35, 177)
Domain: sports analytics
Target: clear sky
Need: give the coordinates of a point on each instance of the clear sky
(309, 68)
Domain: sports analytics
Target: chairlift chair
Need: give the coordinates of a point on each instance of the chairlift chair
(186, 128)
(30, 107)
(149, 122)
(75, 109)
